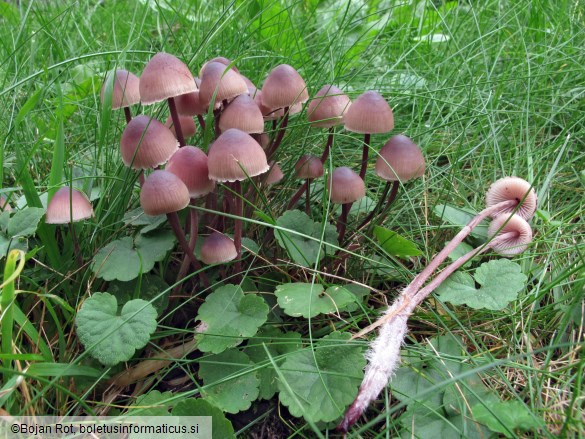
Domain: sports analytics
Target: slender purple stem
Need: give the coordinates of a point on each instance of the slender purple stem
(128, 114)
(365, 153)
(376, 209)
(297, 196)
(307, 206)
(327, 149)
(176, 226)
(238, 223)
(176, 121)
(201, 122)
(280, 135)
(342, 222)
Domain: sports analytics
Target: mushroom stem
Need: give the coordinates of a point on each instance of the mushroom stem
(176, 121)
(376, 209)
(238, 223)
(76, 248)
(297, 196)
(384, 353)
(193, 235)
(280, 135)
(201, 122)
(128, 114)
(342, 222)
(216, 115)
(365, 153)
(176, 226)
(328, 145)
(307, 206)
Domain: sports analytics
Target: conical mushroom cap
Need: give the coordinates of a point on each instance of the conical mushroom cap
(328, 107)
(513, 188)
(234, 156)
(228, 83)
(125, 91)
(284, 87)
(345, 186)
(146, 143)
(188, 126)
(189, 104)
(68, 205)
(190, 165)
(514, 224)
(165, 76)
(400, 160)
(217, 248)
(163, 192)
(220, 59)
(242, 113)
(274, 175)
(309, 166)
(369, 114)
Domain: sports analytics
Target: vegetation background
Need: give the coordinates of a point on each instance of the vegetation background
(487, 89)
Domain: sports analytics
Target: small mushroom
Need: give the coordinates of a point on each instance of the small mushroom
(217, 248)
(125, 91)
(345, 188)
(308, 167)
(512, 189)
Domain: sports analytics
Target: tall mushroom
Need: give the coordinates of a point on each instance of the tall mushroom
(234, 157)
(369, 114)
(165, 77)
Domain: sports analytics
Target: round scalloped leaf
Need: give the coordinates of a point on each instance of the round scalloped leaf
(220, 426)
(308, 300)
(231, 383)
(501, 280)
(318, 383)
(153, 403)
(113, 338)
(229, 316)
(278, 344)
(304, 246)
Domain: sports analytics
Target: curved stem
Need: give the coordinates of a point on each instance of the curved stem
(238, 223)
(342, 222)
(280, 135)
(176, 226)
(328, 145)
(176, 121)
(297, 196)
(201, 122)
(376, 209)
(128, 114)
(365, 153)
(307, 206)
(193, 235)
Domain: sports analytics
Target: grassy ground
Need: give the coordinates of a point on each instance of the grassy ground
(487, 90)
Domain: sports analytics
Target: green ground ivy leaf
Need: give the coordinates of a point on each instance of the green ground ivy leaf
(506, 417)
(220, 426)
(320, 382)
(154, 403)
(113, 338)
(230, 380)
(308, 300)
(125, 258)
(394, 244)
(278, 345)
(500, 281)
(151, 289)
(229, 316)
(25, 221)
(138, 218)
(304, 250)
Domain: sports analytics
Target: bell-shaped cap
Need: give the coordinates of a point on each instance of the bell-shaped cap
(400, 160)
(189, 104)
(218, 248)
(369, 114)
(274, 175)
(309, 166)
(165, 76)
(163, 192)
(190, 165)
(4, 204)
(252, 89)
(146, 143)
(68, 205)
(235, 156)
(188, 126)
(345, 186)
(284, 87)
(242, 113)
(125, 90)
(228, 83)
(513, 188)
(517, 231)
(328, 107)
(220, 59)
